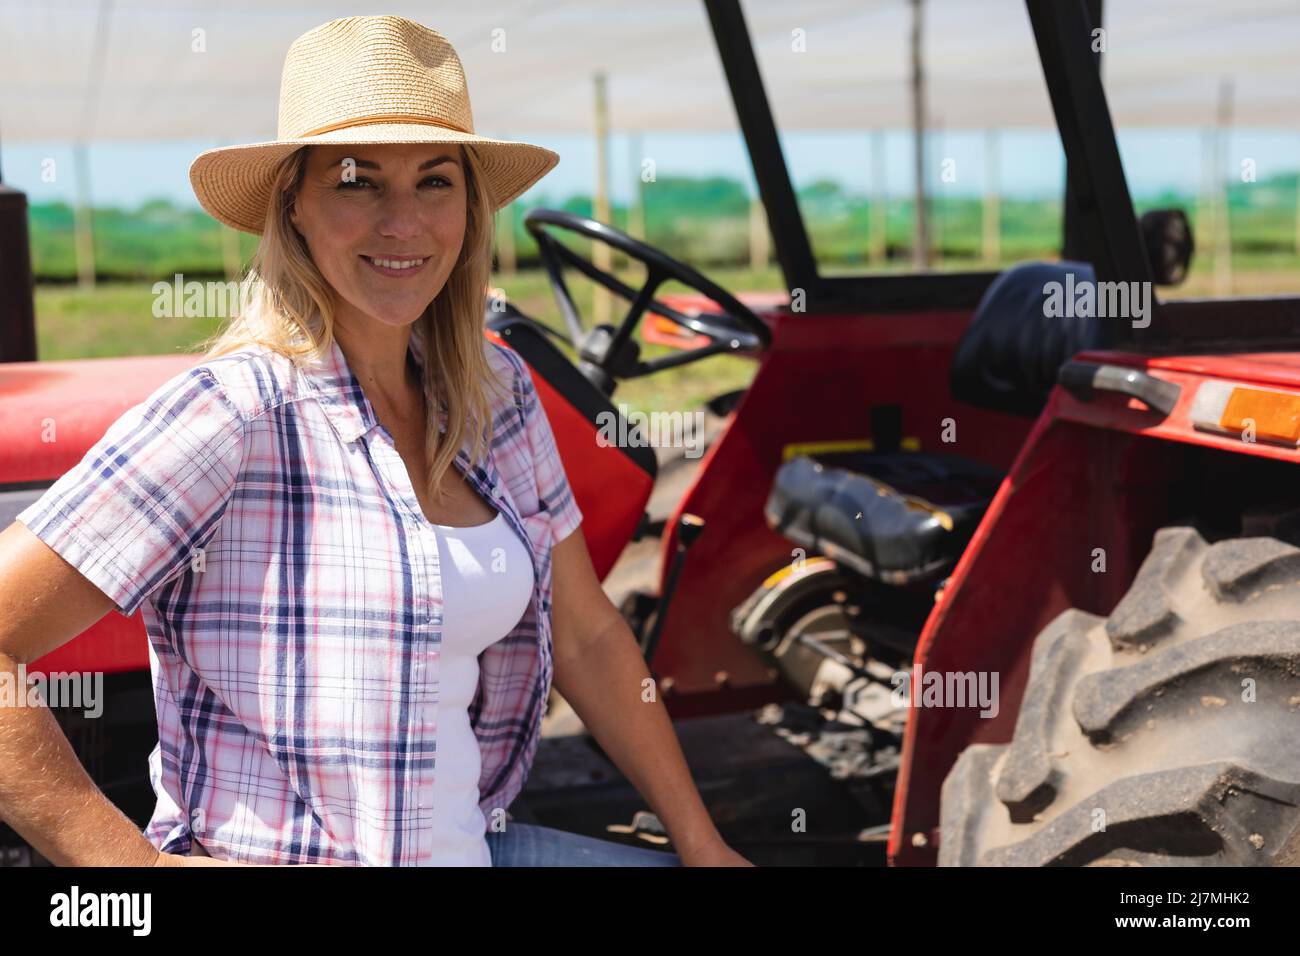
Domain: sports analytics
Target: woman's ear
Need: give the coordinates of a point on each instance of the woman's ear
(291, 203)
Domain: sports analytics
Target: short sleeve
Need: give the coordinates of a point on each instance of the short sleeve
(552, 483)
(131, 513)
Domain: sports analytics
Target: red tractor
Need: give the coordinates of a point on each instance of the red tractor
(967, 577)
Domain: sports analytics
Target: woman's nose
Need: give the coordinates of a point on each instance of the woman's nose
(398, 217)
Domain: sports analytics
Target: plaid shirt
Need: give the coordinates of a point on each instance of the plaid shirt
(261, 518)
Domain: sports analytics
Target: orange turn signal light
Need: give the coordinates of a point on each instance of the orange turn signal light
(1274, 416)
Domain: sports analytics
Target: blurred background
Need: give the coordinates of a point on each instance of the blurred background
(105, 103)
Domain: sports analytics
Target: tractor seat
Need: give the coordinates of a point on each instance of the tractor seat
(899, 518)
(904, 518)
(1009, 354)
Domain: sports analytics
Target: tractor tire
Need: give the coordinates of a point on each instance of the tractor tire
(1165, 735)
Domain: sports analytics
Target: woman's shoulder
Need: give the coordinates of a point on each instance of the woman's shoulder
(505, 362)
(512, 376)
(254, 378)
(513, 373)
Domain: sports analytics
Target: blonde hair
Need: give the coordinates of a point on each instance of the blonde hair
(286, 292)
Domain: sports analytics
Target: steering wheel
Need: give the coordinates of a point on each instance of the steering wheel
(606, 353)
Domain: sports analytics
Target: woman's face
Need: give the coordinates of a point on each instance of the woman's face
(384, 224)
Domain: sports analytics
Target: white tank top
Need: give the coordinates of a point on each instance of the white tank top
(487, 580)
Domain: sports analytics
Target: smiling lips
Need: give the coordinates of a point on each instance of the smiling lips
(396, 268)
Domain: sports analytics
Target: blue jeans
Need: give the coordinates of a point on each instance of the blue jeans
(527, 844)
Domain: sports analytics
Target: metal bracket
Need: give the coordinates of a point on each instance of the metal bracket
(1084, 379)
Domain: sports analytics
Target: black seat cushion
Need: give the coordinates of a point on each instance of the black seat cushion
(899, 518)
(1009, 355)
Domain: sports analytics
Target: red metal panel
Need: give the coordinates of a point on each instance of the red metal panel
(112, 645)
(79, 399)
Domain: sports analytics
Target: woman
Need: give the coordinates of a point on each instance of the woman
(348, 528)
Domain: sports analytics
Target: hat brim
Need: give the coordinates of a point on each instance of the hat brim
(233, 183)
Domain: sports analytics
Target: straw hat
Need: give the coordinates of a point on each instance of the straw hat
(380, 79)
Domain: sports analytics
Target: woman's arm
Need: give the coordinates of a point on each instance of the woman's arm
(46, 796)
(45, 793)
(600, 671)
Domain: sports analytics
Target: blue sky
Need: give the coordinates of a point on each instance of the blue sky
(127, 174)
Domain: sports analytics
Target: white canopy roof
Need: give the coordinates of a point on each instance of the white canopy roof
(142, 79)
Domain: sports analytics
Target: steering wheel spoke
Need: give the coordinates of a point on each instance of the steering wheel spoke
(612, 354)
(673, 359)
(643, 298)
(552, 250)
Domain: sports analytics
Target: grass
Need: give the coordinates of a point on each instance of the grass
(114, 318)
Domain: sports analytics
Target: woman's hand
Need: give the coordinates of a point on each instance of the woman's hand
(715, 853)
(175, 859)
